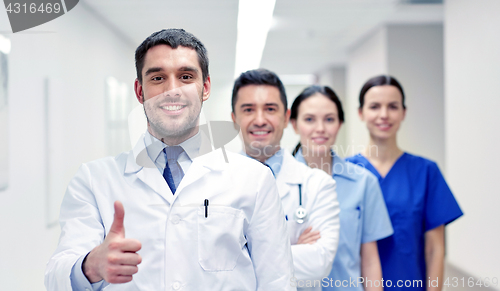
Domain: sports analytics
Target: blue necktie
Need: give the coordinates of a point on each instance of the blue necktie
(173, 154)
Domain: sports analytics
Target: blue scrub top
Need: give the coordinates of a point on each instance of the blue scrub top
(418, 200)
(363, 218)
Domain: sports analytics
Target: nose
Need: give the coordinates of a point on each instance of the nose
(383, 112)
(172, 88)
(320, 127)
(260, 118)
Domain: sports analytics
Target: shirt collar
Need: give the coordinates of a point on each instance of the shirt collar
(274, 162)
(339, 166)
(154, 146)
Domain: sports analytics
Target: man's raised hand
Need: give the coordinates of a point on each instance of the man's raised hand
(116, 259)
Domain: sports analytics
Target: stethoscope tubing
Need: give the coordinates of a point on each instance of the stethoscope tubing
(301, 212)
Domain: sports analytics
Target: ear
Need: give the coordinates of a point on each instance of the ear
(138, 91)
(207, 86)
(360, 114)
(294, 125)
(233, 117)
(404, 114)
(287, 116)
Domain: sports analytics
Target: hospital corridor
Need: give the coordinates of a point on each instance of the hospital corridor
(320, 145)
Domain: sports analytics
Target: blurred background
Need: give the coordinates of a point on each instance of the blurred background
(66, 93)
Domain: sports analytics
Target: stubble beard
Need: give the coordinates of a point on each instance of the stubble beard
(163, 130)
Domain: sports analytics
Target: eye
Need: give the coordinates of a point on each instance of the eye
(373, 106)
(247, 110)
(308, 119)
(157, 78)
(271, 109)
(393, 106)
(330, 119)
(186, 77)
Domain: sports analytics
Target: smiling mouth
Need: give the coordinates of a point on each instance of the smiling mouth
(384, 126)
(172, 107)
(260, 132)
(319, 140)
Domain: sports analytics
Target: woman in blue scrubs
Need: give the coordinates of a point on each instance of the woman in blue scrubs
(317, 116)
(419, 201)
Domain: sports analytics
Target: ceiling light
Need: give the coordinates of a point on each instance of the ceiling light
(4, 44)
(254, 20)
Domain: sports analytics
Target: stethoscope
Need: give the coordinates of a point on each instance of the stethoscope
(301, 212)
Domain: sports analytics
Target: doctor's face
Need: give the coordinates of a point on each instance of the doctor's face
(172, 92)
(262, 118)
(383, 111)
(317, 124)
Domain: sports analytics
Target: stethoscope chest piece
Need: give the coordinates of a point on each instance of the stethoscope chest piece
(301, 212)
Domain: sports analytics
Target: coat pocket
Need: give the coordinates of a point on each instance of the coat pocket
(220, 238)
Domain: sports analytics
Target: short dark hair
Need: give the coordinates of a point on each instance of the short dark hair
(258, 77)
(172, 37)
(380, 80)
(308, 92)
(311, 90)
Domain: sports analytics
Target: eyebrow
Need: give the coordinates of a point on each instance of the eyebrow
(188, 69)
(307, 114)
(160, 69)
(252, 105)
(247, 105)
(153, 70)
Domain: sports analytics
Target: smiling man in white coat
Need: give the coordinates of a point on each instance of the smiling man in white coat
(172, 214)
(308, 195)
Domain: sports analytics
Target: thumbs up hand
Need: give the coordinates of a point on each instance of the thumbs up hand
(115, 260)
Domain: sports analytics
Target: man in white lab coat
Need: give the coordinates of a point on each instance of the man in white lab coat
(308, 195)
(172, 214)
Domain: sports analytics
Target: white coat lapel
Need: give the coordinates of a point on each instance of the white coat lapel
(289, 175)
(140, 163)
(283, 186)
(201, 166)
(207, 160)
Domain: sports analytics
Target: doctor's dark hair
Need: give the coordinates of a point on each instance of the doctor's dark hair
(380, 81)
(258, 77)
(310, 91)
(172, 37)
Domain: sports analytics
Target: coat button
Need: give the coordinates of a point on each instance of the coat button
(176, 285)
(175, 220)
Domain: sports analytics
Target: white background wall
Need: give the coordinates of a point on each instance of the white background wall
(76, 55)
(472, 70)
(415, 58)
(367, 58)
